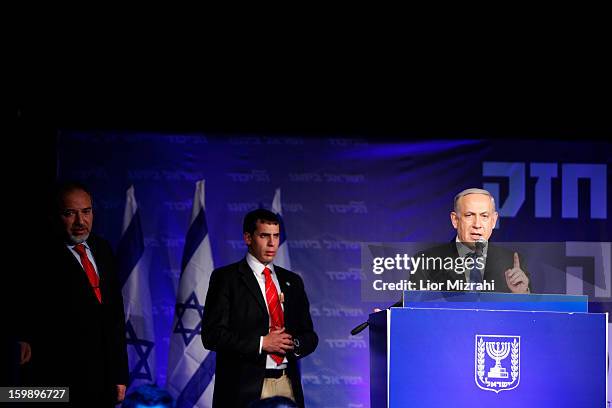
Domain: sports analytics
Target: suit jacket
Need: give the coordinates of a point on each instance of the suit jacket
(78, 341)
(497, 262)
(235, 316)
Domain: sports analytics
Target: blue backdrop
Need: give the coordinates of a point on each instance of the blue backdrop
(336, 193)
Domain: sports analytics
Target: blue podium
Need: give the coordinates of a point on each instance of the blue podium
(472, 349)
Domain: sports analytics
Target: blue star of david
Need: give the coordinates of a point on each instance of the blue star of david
(193, 304)
(143, 348)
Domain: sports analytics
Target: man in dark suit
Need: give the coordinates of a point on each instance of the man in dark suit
(79, 334)
(257, 319)
(482, 264)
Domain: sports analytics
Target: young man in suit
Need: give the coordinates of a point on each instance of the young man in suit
(257, 319)
(79, 331)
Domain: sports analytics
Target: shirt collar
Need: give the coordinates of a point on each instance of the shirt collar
(71, 245)
(256, 266)
(464, 250)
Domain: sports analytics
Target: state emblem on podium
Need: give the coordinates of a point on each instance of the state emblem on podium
(497, 362)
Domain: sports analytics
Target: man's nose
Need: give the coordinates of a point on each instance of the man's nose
(477, 222)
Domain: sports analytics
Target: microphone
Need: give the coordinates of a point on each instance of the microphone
(480, 244)
(359, 328)
(362, 326)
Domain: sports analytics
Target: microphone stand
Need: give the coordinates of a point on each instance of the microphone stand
(358, 329)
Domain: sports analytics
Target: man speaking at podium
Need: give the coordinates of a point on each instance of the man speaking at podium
(492, 268)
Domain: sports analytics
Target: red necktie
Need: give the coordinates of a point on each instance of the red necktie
(274, 308)
(94, 280)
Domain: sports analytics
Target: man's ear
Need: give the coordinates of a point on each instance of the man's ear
(454, 219)
(247, 238)
(495, 215)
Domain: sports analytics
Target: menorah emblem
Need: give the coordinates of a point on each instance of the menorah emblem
(498, 351)
(497, 362)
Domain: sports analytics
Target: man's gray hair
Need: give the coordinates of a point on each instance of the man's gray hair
(472, 191)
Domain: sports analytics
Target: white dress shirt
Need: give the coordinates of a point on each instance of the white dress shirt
(257, 268)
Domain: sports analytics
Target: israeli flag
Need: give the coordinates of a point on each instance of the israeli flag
(191, 368)
(282, 255)
(134, 281)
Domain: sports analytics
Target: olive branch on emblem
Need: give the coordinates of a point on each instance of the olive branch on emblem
(480, 358)
(514, 360)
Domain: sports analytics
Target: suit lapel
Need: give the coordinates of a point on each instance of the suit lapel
(251, 283)
(489, 267)
(495, 269)
(100, 262)
(74, 265)
(100, 265)
(285, 289)
(453, 252)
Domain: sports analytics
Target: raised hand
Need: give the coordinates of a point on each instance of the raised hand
(516, 278)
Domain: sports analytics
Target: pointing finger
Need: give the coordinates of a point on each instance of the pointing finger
(517, 264)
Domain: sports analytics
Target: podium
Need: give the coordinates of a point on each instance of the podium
(472, 349)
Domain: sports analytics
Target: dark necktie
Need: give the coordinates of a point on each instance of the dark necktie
(274, 308)
(475, 275)
(92, 276)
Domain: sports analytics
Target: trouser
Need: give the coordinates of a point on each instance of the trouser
(277, 387)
